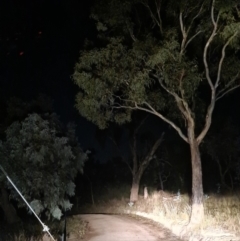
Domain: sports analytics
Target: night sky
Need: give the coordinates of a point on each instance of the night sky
(40, 42)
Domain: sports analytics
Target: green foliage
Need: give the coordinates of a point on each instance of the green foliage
(134, 65)
(42, 162)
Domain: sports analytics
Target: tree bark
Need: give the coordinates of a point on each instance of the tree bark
(145, 191)
(8, 209)
(134, 189)
(223, 174)
(140, 167)
(197, 213)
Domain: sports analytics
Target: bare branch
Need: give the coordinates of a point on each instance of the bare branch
(154, 148)
(181, 25)
(209, 41)
(228, 85)
(131, 32)
(194, 36)
(195, 17)
(227, 91)
(142, 122)
(208, 118)
(181, 103)
(222, 59)
(214, 22)
(150, 155)
(154, 112)
(158, 7)
(155, 20)
(185, 32)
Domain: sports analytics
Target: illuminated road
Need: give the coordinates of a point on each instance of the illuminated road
(121, 228)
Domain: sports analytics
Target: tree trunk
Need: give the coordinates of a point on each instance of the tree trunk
(134, 189)
(8, 209)
(161, 181)
(197, 213)
(145, 191)
(223, 174)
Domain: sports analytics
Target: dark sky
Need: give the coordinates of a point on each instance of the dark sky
(40, 42)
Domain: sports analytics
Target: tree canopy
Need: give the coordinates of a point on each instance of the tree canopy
(161, 62)
(43, 161)
(175, 62)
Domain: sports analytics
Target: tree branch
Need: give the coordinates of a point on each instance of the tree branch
(208, 118)
(213, 87)
(194, 36)
(150, 155)
(181, 103)
(214, 22)
(152, 111)
(205, 51)
(227, 91)
(195, 17)
(155, 20)
(131, 32)
(141, 123)
(158, 7)
(222, 59)
(185, 32)
(155, 147)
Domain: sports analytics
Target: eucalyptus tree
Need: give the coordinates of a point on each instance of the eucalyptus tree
(143, 147)
(172, 59)
(42, 160)
(142, 156)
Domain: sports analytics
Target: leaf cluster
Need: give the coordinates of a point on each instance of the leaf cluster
(157, 70)
(42, 162)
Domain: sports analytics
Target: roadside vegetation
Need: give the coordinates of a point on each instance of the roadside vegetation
(166, 209)
(172, 210)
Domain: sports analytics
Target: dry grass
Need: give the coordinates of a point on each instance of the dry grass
(222, 213)
(222, 216)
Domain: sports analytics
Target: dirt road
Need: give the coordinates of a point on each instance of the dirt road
(121, 228)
